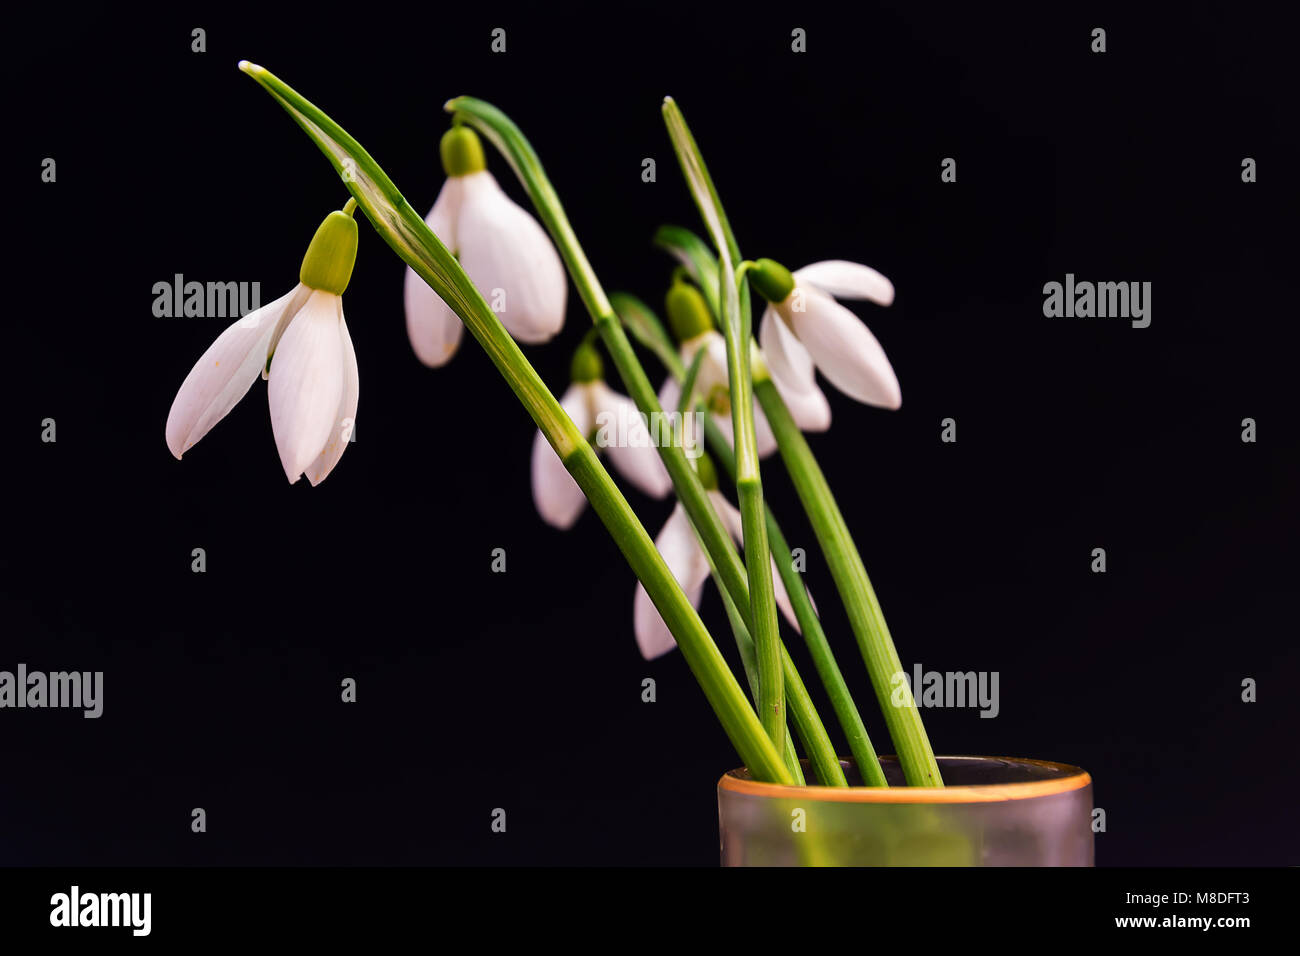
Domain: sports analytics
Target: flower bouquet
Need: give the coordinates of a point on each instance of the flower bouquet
(478, 261)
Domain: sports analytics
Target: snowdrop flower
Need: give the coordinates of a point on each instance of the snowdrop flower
(682, 552)
(692, 324)
(505, 253)
(804, 327)
(301, 345)
(617, 426)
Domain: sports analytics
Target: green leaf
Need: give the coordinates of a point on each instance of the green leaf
(640, 320)
(698, 259)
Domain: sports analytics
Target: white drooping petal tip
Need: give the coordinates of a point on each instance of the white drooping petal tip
(623, 435)
(735, 525)
(808, 406)
(306, 383)
(764, 437)
(346, 416)
(556, 495)
(846, 352)
(511, 260)
(653, 639)
(848, 280)
(787, 360)
(226, 371)
(793, 374)
(433, 328)
(681, 552)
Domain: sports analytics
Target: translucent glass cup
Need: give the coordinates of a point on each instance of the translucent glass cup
(992, 811)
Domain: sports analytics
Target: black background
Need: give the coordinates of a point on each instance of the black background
(522, 691)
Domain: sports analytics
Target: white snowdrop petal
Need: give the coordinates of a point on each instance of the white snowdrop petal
(788, 362)
(301, 293)
(713, 367)
(443, 216)
(713, 371)
(808, 407)
(783, 598)
(580, 401)
(681, 552)
(846, 352)
(730, 516)
(556, 495)
(623, 435)
(346, 416)
(670, 394)
(433, 328)
(224, 374)
(724, 425)
(306, 383)
(848, 280)
(735, 525)
(510, 259)
(764, 439)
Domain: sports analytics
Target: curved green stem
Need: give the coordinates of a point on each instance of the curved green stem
(502, 132)
(846, 711)
(821, 752)
(868, 622)
(406, 232)
(745, 646)
(736, 320)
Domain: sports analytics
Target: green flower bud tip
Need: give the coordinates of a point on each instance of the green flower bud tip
(707, 472)
(586, 365)
(772, 280)
(688, 313)
(462, 152)
(327, 266)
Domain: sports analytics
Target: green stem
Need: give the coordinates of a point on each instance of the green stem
(745, 646)
(736, 331)
(821, 752)
(846, 711)
(406, 232)
(688, 386)
(868, 622)
(511, 142)
(762, 594)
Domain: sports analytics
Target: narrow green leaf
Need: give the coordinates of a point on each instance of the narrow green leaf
(640, 320)
(698, 259)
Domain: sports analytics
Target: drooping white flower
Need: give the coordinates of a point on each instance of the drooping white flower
(682, 552)
(505, 252)
(805, 329)
(619, 430)
(301, 345)
(712, 385)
